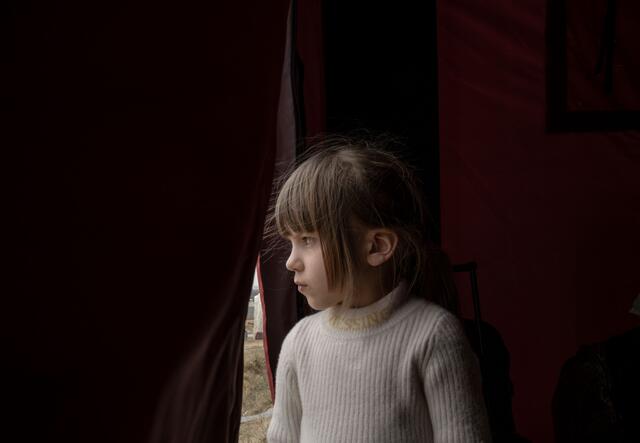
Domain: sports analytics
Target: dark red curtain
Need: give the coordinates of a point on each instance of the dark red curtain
(551, 219)
(142, 138)
(301, 114)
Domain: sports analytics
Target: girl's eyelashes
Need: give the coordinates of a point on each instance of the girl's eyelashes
(305, 240)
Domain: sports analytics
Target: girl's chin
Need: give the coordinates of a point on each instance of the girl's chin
(312, 304)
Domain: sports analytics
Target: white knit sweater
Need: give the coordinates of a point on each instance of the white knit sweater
(398, 370)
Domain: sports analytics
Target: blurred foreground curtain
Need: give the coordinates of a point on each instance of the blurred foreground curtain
(142, 138)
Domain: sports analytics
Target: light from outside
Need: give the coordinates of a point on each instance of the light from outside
(256, 397)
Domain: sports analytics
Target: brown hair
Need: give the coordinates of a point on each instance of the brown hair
(344, 183)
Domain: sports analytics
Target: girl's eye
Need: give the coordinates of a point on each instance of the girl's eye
(307, 240)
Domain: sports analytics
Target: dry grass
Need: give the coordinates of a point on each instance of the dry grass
(255, 431)
(256, 397)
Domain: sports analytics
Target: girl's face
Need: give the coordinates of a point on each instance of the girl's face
(307, 262)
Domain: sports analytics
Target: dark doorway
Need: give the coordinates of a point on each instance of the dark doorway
(381, 74)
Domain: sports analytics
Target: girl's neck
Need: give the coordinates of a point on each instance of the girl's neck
(370, 316)
(373, 287)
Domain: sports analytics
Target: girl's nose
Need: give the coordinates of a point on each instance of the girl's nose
(293, 263)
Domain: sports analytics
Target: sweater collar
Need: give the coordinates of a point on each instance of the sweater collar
(355, 319)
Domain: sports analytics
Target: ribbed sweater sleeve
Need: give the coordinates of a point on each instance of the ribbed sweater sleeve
(452, 386)
(287, 412)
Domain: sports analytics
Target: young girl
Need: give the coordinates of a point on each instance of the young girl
(384, 360)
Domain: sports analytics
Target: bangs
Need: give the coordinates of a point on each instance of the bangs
(298, 207)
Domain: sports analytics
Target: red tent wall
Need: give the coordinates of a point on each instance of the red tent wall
(144, 141)
(552, 219)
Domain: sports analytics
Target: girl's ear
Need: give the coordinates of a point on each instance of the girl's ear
(381, 244)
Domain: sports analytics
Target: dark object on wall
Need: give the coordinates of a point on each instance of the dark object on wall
(471, 268)
(596, 399)
(497, 387)
(494, 366)
(593, 72)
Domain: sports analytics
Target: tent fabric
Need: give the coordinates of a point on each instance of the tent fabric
(283, 305)
(279, 313)
(143, 138)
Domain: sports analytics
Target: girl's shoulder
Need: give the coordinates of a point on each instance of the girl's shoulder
(297, 335)
(422, 317)
(430, 312)
(431, 319)
(303, 327)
